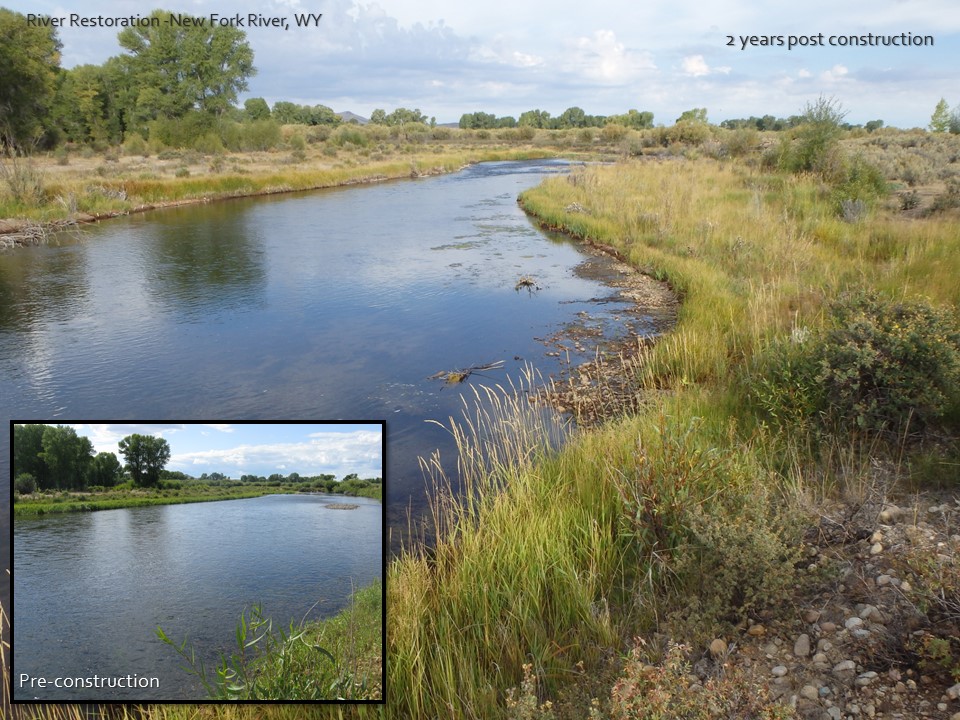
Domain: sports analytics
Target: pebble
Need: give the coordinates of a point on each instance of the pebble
(809, 692)
(955, 716)
(779, 671)
(853, 622)
(905, 586)
(954, 692)
(869, 612)
(845, 666)
(801, 648)
(883, 580)
(876, 549)
(890, 514)
(876, 537)
(757, 630)
(864, 679)
(718, 647)
(835, 713)
(811, 616)
(828, 627)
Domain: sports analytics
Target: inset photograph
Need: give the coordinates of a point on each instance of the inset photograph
(197, 562)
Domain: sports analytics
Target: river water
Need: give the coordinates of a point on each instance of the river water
(334, 304)
(92, 588)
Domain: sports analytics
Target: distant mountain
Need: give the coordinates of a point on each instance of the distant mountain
(349, 116)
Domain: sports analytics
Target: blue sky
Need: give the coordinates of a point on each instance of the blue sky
(506, 57)
(236, 449)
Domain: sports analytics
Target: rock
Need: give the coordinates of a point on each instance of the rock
(811, 616)
(905, 586)
(954, 692)
(868, 612)
(824, 691)
(834, 712)
(779, 671)
(845, 666)
(809, 692)
(853, 622)
(865, 678)
(718, 647)
(757, 630)
(828, 627)
(890, 514)
(876, 537)
(883, 580)
(876, 549)
(955, 716)
(801, 648)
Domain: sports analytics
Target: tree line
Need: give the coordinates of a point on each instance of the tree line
(55, 457)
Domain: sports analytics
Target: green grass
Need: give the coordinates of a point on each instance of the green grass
(40, 504)
(339, 658)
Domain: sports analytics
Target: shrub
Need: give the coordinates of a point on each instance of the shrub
(134, 144)
(208, 144)
(25, 484)
(648, 691)
(878, 366)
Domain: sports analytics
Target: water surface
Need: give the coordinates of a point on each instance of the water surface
(91, 588)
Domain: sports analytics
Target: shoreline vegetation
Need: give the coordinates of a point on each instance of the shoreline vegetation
(39, 504)
(804, 412)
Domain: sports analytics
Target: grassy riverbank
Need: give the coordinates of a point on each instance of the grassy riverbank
(39, 504)
(84, 185)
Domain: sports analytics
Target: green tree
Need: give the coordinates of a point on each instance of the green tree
(940, 120)
(105, 470)
(696, 115)
(145, 457)
(180, 68)
(873, 125)
(27, 446)
(256, 109)
(67, 456)
(29, 62)
(378, 117)
(534, 118)
(573, 117)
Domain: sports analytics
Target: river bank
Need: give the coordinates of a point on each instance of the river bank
(90, 188)
(40, 504)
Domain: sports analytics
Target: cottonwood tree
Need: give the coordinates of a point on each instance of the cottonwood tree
(145, 457)
(67, 456)
(178, 68)
(29, 62)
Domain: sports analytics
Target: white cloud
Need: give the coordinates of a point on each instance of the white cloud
(696, 66)
(221, 427)
(338, 453)
(602, 58)
(834, 74)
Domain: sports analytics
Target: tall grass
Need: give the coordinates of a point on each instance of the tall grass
(525, 567)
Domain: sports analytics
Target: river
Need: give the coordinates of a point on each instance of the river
(323, 305)
(92, 588)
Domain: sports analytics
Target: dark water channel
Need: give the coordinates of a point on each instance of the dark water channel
(336, 304)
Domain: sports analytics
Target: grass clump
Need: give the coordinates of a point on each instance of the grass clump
(335, 659)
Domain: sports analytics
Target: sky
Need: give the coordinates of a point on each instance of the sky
(608, 56)
(237, 449)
